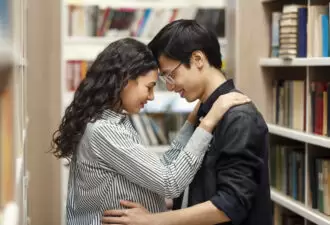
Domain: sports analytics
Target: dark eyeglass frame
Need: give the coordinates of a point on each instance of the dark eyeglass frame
(167, 77)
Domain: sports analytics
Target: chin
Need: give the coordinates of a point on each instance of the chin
(133, 111)
(136, 111)
(190, 99)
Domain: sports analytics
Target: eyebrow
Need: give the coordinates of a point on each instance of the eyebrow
(153, 83)
(165, 71)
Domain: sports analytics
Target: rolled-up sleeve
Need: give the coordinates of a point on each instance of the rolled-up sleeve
(178, 143)
(238, 171)
(118, 149)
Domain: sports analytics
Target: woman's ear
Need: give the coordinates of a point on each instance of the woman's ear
(198, 58)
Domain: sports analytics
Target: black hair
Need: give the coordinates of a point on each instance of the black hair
(180, 38)
(119, 62)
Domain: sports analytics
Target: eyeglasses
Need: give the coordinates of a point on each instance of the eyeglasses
(168, 77)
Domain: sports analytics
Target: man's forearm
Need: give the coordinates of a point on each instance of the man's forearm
(202, 214)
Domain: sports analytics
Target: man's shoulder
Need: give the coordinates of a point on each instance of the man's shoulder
(248, 109)
(245, 114)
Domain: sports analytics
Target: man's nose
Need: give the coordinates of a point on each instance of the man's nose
(170, 86)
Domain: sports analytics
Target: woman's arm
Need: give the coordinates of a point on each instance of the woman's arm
(182, 137)
(116, 148)
(178, 144)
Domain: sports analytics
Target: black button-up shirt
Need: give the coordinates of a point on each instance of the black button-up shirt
(234, 173)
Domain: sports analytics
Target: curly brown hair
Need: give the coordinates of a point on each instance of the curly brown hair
(120, 61)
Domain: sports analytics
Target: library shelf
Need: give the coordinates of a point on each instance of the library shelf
(302, 62)
(151, 4)
(309, 138)
(299, 208)
(87, 48)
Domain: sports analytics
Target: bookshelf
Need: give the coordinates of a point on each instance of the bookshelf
(13, 113)
(299, 208)
(87, 48)
(301, 62)
(277, 67)
(81, 42)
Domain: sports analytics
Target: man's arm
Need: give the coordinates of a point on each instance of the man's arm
(205, 213)
(182, 137)
(237, 178)
(239, 168)
(116, 149)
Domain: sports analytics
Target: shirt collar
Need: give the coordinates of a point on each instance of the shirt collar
(112, 115)
(224, 88)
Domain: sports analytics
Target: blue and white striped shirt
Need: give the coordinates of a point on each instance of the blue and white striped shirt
(112, 165)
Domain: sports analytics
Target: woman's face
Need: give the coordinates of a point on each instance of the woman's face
(138, 92)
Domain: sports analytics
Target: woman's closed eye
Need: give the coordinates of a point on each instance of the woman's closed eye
(151, 87)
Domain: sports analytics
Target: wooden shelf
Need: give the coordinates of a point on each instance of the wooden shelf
(277, 62)
(313, 139)
(299, 208)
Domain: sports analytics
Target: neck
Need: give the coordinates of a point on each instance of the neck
(214, 78)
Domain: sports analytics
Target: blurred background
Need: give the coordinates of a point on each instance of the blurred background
(277, 52)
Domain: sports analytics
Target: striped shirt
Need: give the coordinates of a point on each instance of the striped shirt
(112, 165)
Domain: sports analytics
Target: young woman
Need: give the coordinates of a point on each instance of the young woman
(108, 163)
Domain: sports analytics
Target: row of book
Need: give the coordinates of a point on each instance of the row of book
(283, 216)
(320, 112)
(300, 31)
(157, 129)
(289, 105)
(320, 184)
(95, 21)
(287, 174)
(76, 71)
(287, 170)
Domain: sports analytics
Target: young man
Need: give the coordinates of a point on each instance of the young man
(232, 186)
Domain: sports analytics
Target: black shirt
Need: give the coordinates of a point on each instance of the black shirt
(234, 173)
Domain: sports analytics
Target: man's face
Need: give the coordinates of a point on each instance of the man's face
(188, 82)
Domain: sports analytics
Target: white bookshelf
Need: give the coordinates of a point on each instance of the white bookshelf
(164, 102)
(301, 136)
(13, 84)
(299, 208)
(87, 48)
(301, 62)
(255, 72)
(152, 4)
